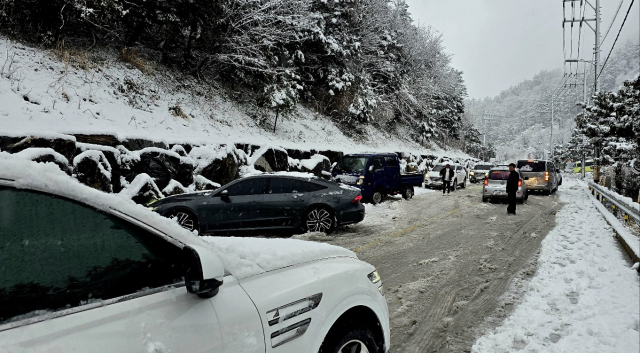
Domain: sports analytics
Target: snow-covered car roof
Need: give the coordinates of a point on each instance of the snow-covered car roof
(242, 257)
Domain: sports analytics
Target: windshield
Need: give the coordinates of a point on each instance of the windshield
(531, 166)
(437, 168)
(483, 167)
(352, 164)
(499, 175)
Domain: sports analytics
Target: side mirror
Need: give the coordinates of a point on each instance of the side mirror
(371, 168)
(204, 271)
(224, 194)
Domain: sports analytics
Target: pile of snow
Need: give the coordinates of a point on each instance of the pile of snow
(251, 255)
(38, 153)
(584, 296)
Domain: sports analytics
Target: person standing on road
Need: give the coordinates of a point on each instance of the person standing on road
(512, 189)
(447, 175)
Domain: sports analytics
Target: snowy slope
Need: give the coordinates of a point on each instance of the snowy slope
(584, 296)
(81, 93)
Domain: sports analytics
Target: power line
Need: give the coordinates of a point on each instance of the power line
(614, 42)
(612, 21)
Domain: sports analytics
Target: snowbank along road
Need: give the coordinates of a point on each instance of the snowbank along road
(446, 261)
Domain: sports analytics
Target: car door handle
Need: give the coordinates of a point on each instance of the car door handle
(255, 201)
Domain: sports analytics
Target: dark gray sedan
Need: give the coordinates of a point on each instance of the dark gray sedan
(266, 202)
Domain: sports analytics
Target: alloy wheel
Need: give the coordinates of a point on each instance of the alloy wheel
(319, 220)
(354, 346)
(377, 197)
(185, 220)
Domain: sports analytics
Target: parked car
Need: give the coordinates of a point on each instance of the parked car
(542, 175)
(267, 202)
(432, 179)
(86, 271)
(495, 185)
(376, 175)
(479, 172)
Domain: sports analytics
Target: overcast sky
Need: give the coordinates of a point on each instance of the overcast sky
(498, 43)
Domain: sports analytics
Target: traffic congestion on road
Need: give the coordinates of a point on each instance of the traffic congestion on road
(150, 258)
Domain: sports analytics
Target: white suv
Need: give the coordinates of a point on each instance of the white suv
(86, 271)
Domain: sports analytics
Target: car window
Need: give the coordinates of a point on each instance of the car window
(351, 164)
(532, 166)
(377, 163)
(285, 186)
(390, 162)
(311, 187)
(58, 254)
(499, 175)
(247, 187)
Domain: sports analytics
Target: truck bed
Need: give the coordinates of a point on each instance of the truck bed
(412, 179)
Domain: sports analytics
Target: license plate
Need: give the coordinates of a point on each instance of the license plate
(499, 193)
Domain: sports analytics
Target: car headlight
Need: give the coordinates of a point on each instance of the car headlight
(374, 277)
(360, 181)
(471, 172)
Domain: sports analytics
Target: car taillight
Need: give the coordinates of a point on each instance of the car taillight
(519, 183)
(546, 176)
(486, 181)
(357, 199)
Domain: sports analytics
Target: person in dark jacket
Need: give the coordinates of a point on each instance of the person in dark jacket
(447, 176)
(512, 189)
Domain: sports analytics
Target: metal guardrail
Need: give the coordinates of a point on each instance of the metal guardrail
(601, 192)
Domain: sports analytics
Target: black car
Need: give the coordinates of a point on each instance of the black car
(266, 202)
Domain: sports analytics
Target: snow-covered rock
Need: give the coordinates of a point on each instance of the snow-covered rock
(163, 165)
(142, 190)
(93, 169)
(318, 164)
(201, 183)
(63, 144)
(270, 159)
(217, 163)
(45, 155)
(174, 188)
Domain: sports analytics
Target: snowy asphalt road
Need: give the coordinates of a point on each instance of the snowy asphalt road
(446, 261)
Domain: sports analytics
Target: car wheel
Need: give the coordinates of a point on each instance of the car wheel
(319, 219)
(526, 195)
(377, 197)
(407, 193)
(464, 183)
(484, 199)
(454, 185)
(350, 339)
(185, 219)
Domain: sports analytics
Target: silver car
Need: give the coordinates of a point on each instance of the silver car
(495, 185)
(479, 172)
(541, 175)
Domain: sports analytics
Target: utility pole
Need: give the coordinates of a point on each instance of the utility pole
(552, 146)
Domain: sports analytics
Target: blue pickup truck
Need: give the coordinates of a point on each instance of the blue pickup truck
(376, 174)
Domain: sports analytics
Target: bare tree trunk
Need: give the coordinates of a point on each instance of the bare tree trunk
(276, 122)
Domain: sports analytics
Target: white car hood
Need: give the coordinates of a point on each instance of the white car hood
(433, 174)
(245, 257)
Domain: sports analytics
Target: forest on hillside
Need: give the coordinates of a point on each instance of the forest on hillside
(360, 62)
(518, 120)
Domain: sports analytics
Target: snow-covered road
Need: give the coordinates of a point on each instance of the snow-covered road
(446, 261)
(584, 296)
(455, 268)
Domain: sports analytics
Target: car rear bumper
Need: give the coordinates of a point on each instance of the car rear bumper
(351, 215)
(499, 193)
(538, 187)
